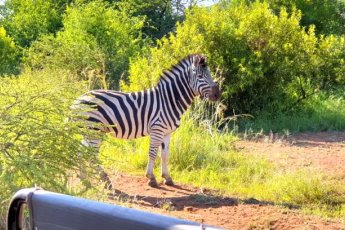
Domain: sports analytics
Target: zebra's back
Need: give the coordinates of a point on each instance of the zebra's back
(124, 115)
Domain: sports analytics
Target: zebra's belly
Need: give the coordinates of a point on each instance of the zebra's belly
(138, 132)
(128, 132)
(128, 137)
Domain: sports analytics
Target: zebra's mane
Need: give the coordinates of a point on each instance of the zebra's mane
(188, 58)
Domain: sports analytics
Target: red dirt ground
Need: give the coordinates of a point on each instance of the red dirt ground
(324, 151)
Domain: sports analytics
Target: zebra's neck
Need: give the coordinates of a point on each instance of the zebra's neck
(175, 92)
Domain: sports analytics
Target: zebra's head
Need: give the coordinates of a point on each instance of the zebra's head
(201, 80)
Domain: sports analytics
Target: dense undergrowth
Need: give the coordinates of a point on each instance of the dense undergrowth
(321, 112)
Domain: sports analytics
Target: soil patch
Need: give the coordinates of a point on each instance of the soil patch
(202, 206)
(323, 151)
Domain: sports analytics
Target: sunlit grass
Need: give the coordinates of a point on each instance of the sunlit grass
(205, 157)
(319, 113)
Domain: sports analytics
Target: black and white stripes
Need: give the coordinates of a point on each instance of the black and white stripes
(156, 112)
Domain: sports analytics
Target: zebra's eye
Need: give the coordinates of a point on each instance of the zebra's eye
(199, 75)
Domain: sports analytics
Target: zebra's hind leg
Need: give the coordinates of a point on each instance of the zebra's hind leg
(156, 138)
(96, 143)
(165, 158)
(104, 177)
(149, 170)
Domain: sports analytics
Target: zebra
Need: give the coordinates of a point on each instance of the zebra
(155, 112)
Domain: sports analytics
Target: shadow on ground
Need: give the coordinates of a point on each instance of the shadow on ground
(199, 200)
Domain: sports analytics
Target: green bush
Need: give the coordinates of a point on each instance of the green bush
(326, 15)
(8, 54)
(38, 146)
(160, 15)
(97, 42)
(330, 66)
(267, 61)
(26, 20)
(320, 112)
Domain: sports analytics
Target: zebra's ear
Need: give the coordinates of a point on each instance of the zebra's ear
(202, 61)
(196, 60)
(199, 60)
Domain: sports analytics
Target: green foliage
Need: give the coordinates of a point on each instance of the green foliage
(321, 112)
(331, 53)
(268, 61)
(26, 20)
(326, 15)
(160, 15)
(38, 147)
(97, 40)
(8, 54)
(209, 150)
(108, 33)
(145, 71)
(278, 54)
(78, 54)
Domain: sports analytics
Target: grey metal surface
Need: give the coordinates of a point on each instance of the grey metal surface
(53, 211)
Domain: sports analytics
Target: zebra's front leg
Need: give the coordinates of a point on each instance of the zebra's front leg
(165, 160)
(156, 138)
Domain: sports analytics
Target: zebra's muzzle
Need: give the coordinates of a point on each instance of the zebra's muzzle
(215, 93)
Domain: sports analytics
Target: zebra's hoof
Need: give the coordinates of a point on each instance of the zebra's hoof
(106, 180)
(169, 182)
(153, 183)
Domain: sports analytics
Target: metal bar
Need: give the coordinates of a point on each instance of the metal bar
(52, 211)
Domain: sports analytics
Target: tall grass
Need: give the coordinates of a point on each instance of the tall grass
(321, 112)
(203, 156)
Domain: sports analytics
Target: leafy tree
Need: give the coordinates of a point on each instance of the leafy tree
(160, 15)
(97, 40)
(79, 54)
(8, 54)
(328, 16)
(331, 53)
(26, 20)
